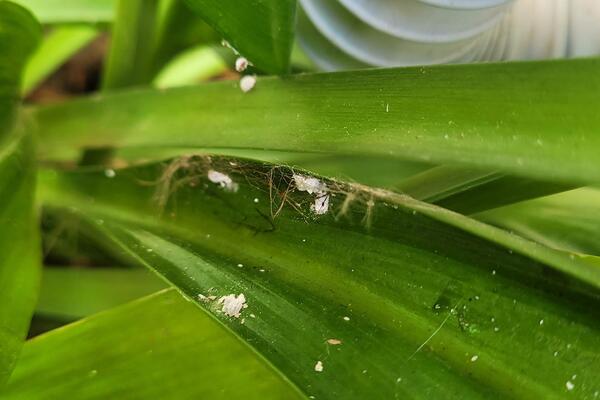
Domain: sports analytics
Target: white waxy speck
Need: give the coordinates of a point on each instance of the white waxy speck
(233, 305)
(309, 184)
(474, 358)
(240, 265)
(321, 205)
(555, 353)
(256, 199)
(570, 385)
(247, 83)
(346, 319)
(319, 366)
(334, 342)
(493, 272)
(109, 173)
(241, 64)
(541, 322)
(222, 180)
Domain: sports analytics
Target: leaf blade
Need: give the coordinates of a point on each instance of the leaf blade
(261, 30)
(106, 356)
(375, 290)
(494, 116)
(19, 238)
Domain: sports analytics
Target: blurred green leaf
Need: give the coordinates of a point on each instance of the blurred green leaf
(19, 248)
(60, 45)
(133, 36)
(392, 296)
(509, 117)
(71, 11)
(159, 347)
(192, 66)
(19, 236)
(260, 30)
(72, 293)
(19, 35)
(178, 29)
(468, 190)
(568, 221)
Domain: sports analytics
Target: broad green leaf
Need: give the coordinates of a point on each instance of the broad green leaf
(260, 30)
(518, 118)
(19, 248)
(569, 221)
(468, 190)
(62, 43)
(392, 296)
(71, 11)
(160, 347)
(19, 237)
(72, 293)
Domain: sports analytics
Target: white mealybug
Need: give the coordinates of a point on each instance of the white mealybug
(319, 366)
(247, 83)
(233, 305)
(241, 64)
(222, 180)
(321, 204)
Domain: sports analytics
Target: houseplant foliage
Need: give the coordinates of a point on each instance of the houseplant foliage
(392, 233)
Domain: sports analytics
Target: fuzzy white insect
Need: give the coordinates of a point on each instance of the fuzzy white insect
(309, 184)
(321, 205)
(334, 342)
(570, 385)
(314, 186)
(222, 180)
(241, 64)
(247, 83)
(319, 366)
(233, 305)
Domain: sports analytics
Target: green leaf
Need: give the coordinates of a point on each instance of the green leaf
(468, 190)
(19, 237)
(426, 303)
(71, 11)
(19, 34)
(509, 117)
(568, 221)
(192, 66)
(260, 30)
(19, 248)
(178, 29)
(72, 293)
(155, 348)
(133, 37)
(60, 45)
